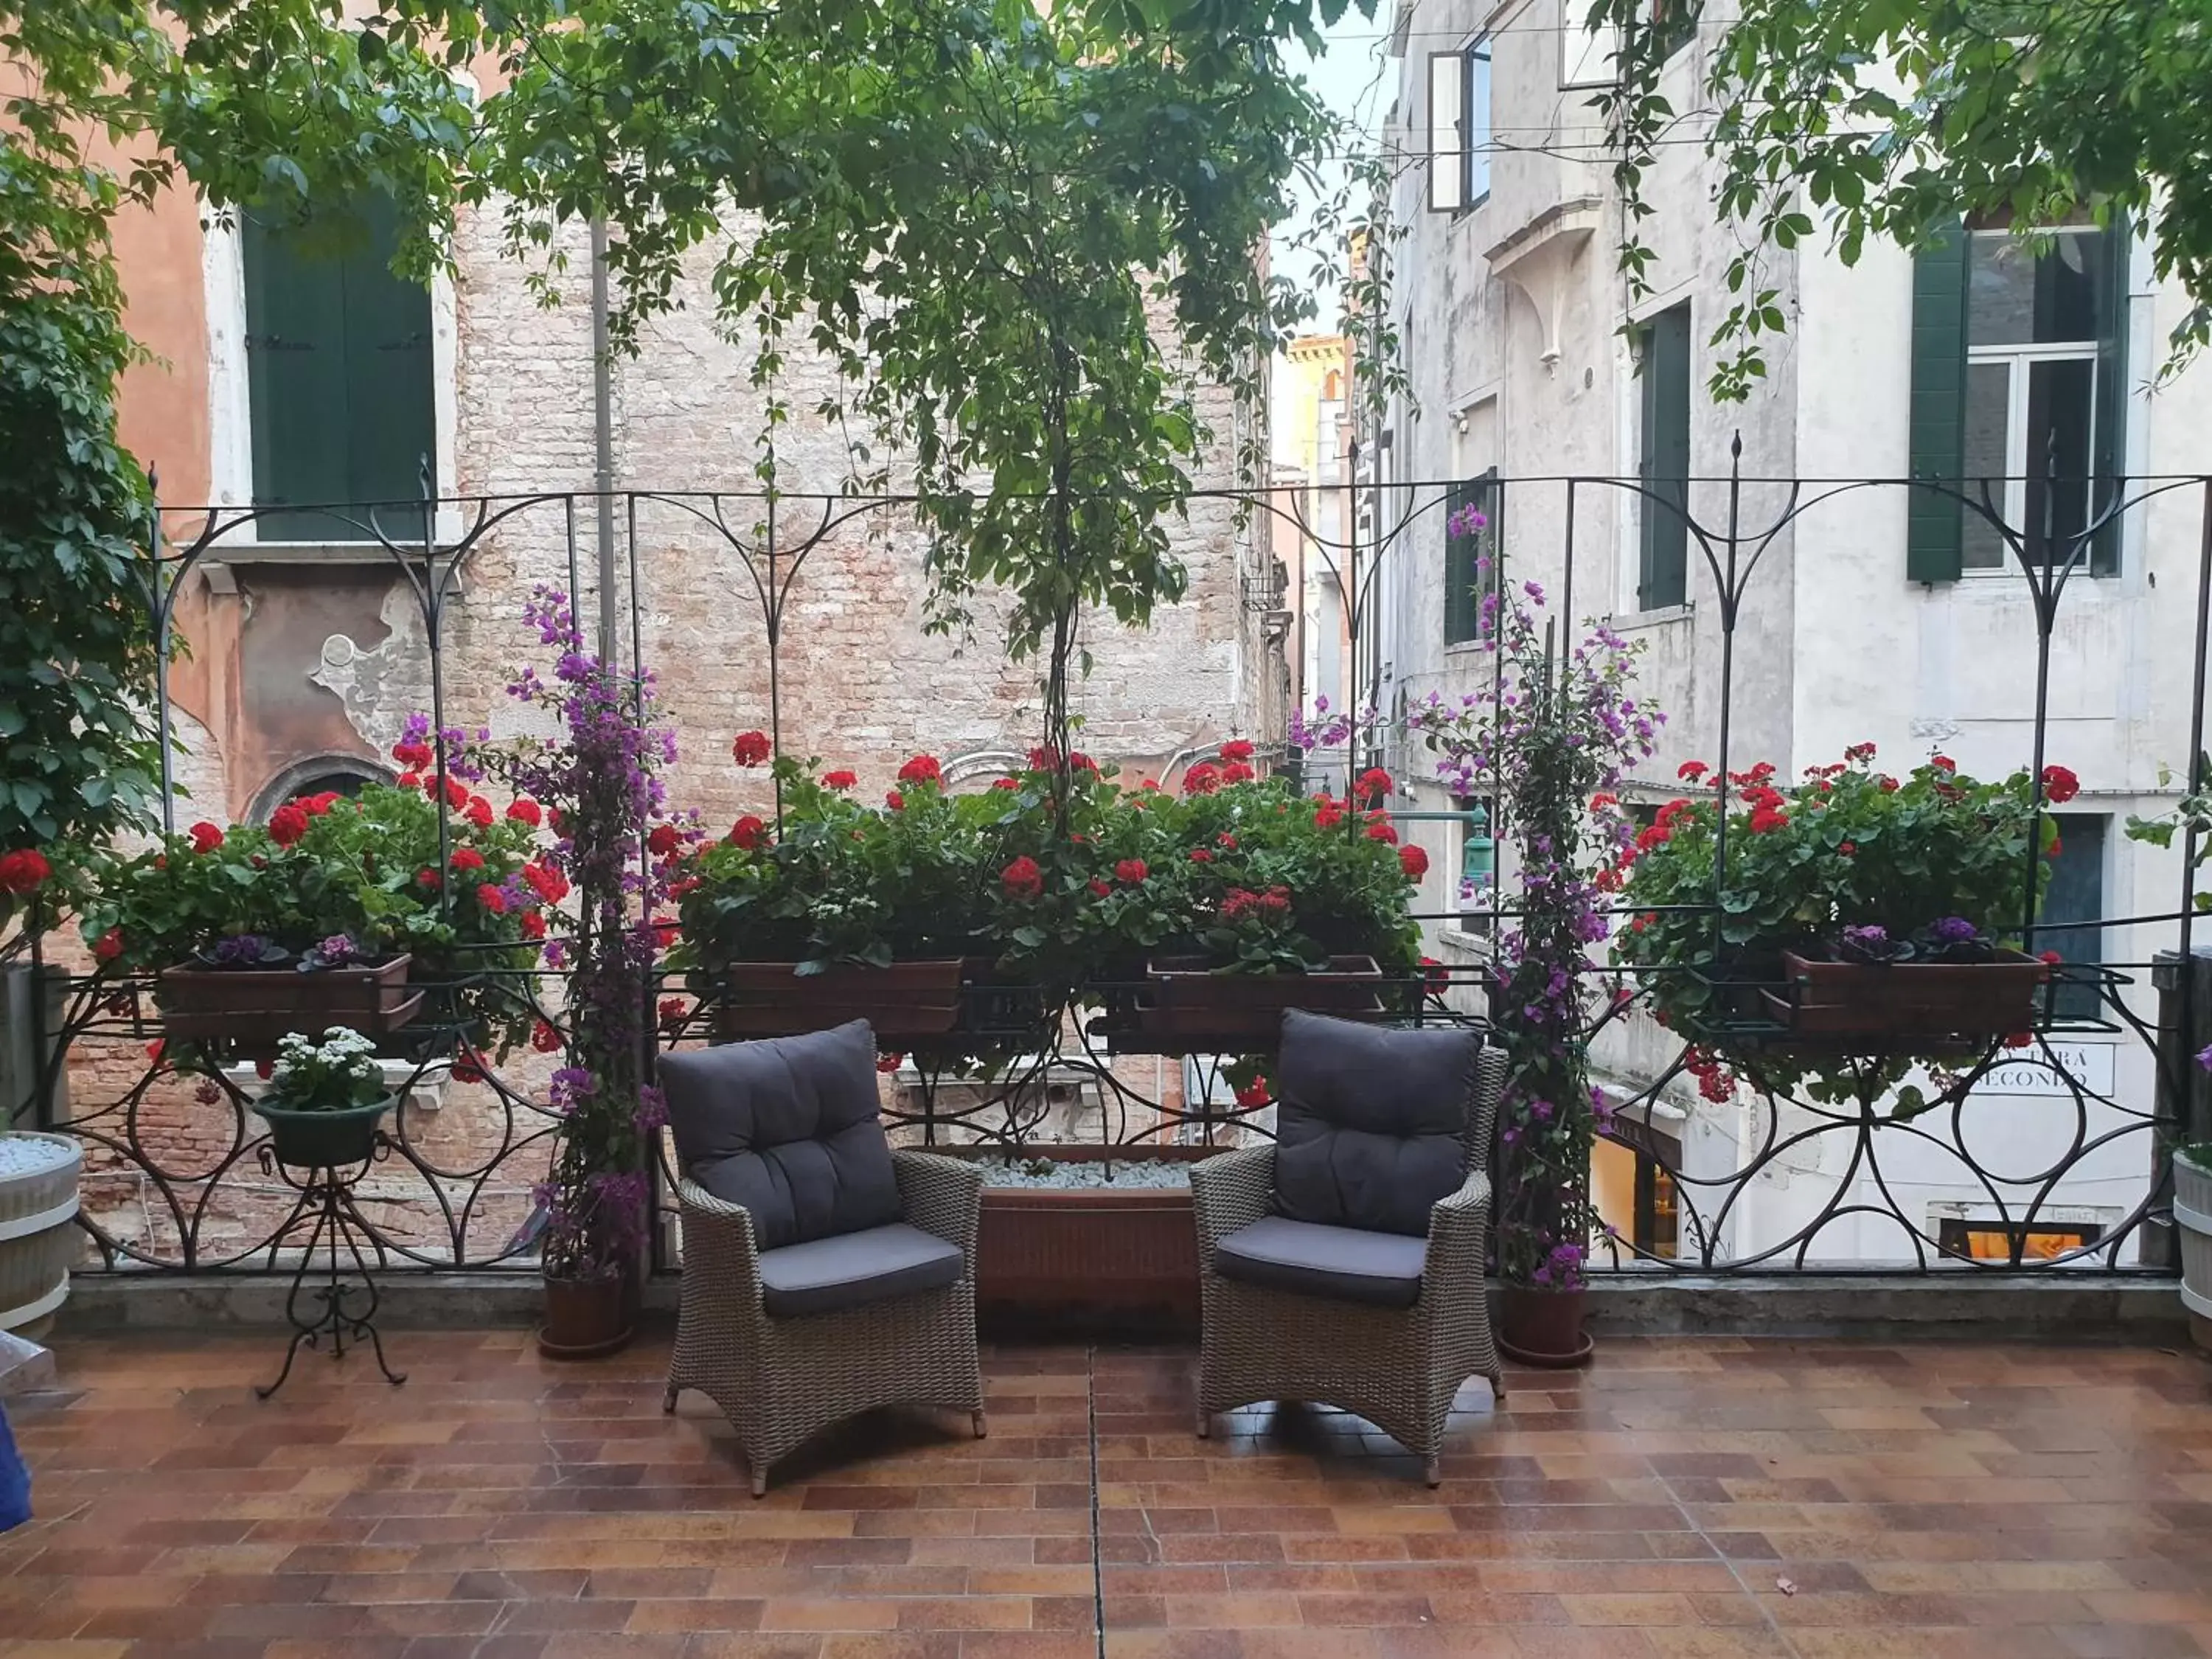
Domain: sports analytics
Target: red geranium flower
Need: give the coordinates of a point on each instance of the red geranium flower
(1691, 771)
(662, 840)
(1372, 782)
(922, 768)
(1202, 779)
(839, 780)
(413, 756)
(2059, 785)
(479, 812)
(889, 1060)
(894, 800)
(206, 837)
(1237, 772)
(1199, 855)
(1132, 870)
(2020, 1040)
(1006, 783)
(1022, 879)
(1887, 785)
(457, 793)
(1328, 817)
(410, 781)
(1859, 751)
(1384, 833)
(749, 832)
(287, 824)
(2051, 958)
(466, 1069)
(523, 809)
(109, 944)
(23, 870)
(672, 1010)
(1254, 1094)
(425, 877)
(466, 859)
(1767, 818)
(1044, 758)
(1100, 888)
(1413, 861)
(533, 925)
(317, 805)
(1236, 749)
(1847, 848)
(751, 748)
(492, 899)
(1943, 762)
(545, 881)
(544, 1039)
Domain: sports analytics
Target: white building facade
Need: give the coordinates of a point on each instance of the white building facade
(1874, 614)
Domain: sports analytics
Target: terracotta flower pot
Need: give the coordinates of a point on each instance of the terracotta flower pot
(1922, 1000)
(586, 1318)
(903, 1002)
(1542, 1328)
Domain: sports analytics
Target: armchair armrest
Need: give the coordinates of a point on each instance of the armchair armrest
(1228, 1191)
(1457, 1227)
(941, 1195)
(720, 1245)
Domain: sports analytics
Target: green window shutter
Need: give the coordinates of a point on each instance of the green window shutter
(1663, 563)
(1463, 556)
(2110, 456)
(339, 376)
(295, 376)
(388, 380)
(1936, 423)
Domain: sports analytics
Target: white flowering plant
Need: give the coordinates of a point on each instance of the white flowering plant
(337, 1074)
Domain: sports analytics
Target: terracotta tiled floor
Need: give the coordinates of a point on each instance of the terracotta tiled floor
(1685, 1497)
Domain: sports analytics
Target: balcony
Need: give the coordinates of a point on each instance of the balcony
(1685, 1496)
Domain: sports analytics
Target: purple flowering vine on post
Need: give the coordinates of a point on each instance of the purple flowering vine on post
(600, 782)
(1548, 744)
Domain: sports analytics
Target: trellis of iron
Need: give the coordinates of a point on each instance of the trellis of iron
(456, 1218)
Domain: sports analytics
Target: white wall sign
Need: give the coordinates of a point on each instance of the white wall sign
(2088, 1064)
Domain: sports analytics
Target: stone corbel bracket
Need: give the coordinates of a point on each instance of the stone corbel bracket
(1539, 258)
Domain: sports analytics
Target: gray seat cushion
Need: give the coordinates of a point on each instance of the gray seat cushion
(1368, 1131)
(787, 1127)
(1344, 1263)
(824, 1275)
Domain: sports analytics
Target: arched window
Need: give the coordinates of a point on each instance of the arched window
(346, 774)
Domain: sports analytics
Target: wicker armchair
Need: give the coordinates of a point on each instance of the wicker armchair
(1398, 1366)
(790, 1340)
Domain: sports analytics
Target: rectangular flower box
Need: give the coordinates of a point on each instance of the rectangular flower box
(1188, 999)
(1885, 1002)
(1089, 1255)
(904, 1002)
(254, 1007)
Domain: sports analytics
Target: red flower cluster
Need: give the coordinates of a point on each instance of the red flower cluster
(1236, 749)
(523, 809)
(1237, 772)
(1202, 779)
(749, 832)
(672, 1010)
(1691, 771)
(662, 840)
(457, 793)
(1714, 1081)
(415, 756)
(109, 944)
(2060, 785)
(493, 900)
(533, 923)
(425, 877)
(839, 780)
(1943, 762)
(751, 748)
(894, 800)
(466, 859)
(1413, 861)
(1130, 871)
(288, 824)
(1328, 814)
(1241, 901)
(1254, 1094)
(1373, 783)
(1384, 833)
(1200, 855)
(889, 1060)
(479, 812)
(1022, 879)
(549, 883)
(23, 870)
(544, 1039)
(1859, 751)
(922, 768)
(1006, 783)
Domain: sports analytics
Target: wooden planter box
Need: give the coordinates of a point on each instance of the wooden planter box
(1189, 1001)
(905, 1003)
(254, 1007)
(1088, 1254)
(1885, 1002)
(38, 1236)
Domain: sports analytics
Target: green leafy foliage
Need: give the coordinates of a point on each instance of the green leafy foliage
(2192, 813)
(1890, 121)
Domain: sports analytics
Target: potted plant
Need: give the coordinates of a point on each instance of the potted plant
(850, 910)
(338, 911)
(1550, 743)
(324, 1100)
(2192, 1221)
(623, 853)
(1859, 922)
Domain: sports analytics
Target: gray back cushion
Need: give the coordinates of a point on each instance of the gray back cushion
(1370, 1121)
(787, 1127)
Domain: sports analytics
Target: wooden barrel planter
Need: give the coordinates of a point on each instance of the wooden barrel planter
(1884, 1002)
(1088, 1256)
(254, 1008)
(905, 1003)
(2193, 1223)
(38, 1223)
(1187, 998)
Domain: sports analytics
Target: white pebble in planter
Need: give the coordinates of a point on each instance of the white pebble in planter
(38, 1214)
